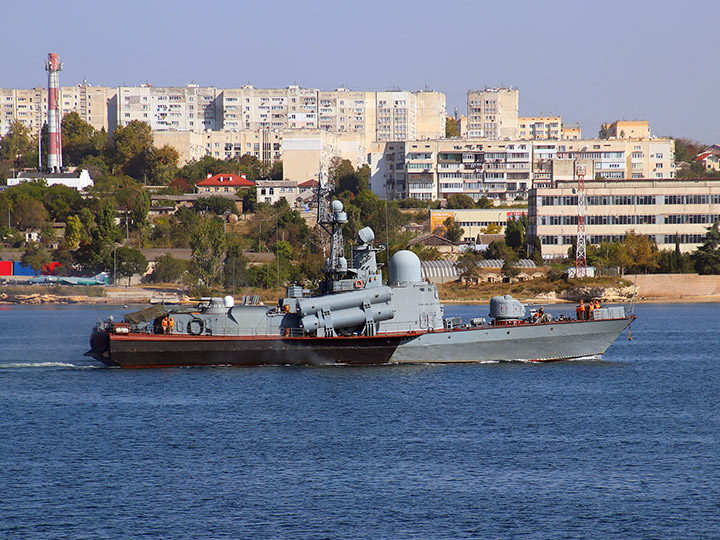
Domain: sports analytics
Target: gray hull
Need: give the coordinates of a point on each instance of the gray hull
(527, 342)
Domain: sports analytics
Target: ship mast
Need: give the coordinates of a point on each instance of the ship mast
(331, 221)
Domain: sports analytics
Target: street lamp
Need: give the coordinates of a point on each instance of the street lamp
(115, 265)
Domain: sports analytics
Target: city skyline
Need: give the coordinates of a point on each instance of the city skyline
(588, 64)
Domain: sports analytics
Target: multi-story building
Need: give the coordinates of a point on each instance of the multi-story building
(668, 211)
(30, 106)
(182, 108)
(26, 106)
(506, 170)
(571, 132)
(264, 145)
(493, 113)
(627, 129)
(539, 127)
(90, 102)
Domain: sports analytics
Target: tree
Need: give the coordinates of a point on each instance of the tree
(707, 256)
(130, 262)
(162, 165)
(77, 139)
(36, 256)
(73, 232)
(642, 251)
(498, 249)
(453, 231)
(467, 265)
(216, 204)
(208, 245)
(451, 127)
(460, 200)
(515, 235)
(29, 214)
(130, 148)
(168, 269)
(17, 142)
(484, 202)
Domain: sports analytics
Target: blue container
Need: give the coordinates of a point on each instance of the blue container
(20, 269)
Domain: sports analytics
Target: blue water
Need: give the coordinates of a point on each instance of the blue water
(624, 447)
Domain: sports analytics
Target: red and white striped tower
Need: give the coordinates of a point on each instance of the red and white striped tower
(53, 67)
(580, 251)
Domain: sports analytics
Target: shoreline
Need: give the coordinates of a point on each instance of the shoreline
(147, 297)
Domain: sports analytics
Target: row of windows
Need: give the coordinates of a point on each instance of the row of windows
(598, 220)
(610, 238)
(629, 200)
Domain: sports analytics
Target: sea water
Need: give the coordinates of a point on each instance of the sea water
(623, 447)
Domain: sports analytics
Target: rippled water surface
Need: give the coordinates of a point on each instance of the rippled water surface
(623, 447)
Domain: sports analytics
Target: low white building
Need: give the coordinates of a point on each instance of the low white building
(75, 180)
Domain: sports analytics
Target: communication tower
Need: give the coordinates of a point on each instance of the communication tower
(580, 251)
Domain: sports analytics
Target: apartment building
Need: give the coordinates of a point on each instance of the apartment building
(264, 145)
(26, 106)
(506, 170)
(539, 127)
(627, 129)
(571, 132)
(493, 113)
(177, 108)
(668, 211)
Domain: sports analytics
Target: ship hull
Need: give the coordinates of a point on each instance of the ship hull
(522, 342)
(138, 350)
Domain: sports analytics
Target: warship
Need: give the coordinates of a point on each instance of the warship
(354, 318)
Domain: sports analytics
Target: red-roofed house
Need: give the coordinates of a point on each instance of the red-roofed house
(711, 161)
(224, 183)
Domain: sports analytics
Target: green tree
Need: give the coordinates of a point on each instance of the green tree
(451, 127)
(130, 262)
(73, 232)
(162, 165)
(642, 250)
(29, 214)
(467, 265)
(130, 148)
(498, 249)
(460, 200)
(484, 202)
(208, 245)
(216, 204)
(77, 139)
(168, 269)
(36, 256)
(515, 235)
(707, 256)
(17, 142)
(453, 231)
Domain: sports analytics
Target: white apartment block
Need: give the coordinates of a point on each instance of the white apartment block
(507, 170)
(182, 108)
(493, 113)
(264, 145)
(26, 106)
(30, 106)
(378, 116)
(667, 210)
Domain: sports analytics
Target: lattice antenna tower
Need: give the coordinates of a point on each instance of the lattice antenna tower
(581, 251)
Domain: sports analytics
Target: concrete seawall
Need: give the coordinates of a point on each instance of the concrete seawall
(676, 286)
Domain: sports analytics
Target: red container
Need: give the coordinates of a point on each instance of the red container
(6, 268)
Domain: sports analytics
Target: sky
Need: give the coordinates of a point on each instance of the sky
(590, 62)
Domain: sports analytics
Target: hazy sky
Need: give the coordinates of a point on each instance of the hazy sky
(590, 62)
